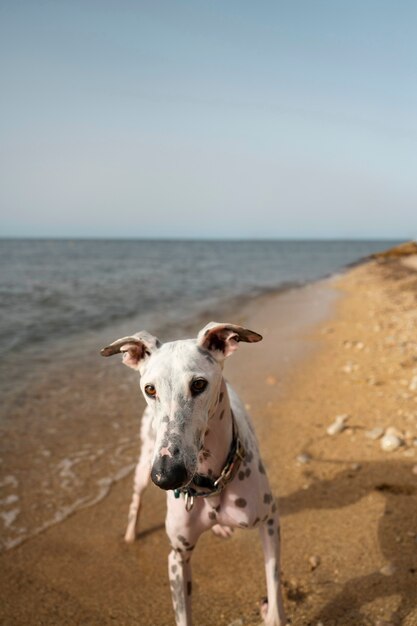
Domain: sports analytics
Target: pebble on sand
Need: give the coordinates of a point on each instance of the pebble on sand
(303, 458)
(392, 440)
(388, 569)
(413, 384)
(349, 367)
(314, 561)
(338, 425)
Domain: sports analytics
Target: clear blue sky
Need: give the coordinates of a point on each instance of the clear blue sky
(208, 118)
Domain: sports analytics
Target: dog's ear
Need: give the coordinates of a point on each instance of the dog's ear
(223, 339)
(135, 349)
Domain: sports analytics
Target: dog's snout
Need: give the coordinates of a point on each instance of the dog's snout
(168, 473)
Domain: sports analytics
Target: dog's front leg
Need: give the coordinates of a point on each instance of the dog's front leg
(142, 474)
(273, 610)
(179, 569)
(183, 530)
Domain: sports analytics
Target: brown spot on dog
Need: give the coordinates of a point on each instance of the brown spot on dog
(247, 472)
(276, 573)
(183, 540)
(270, 522)
(241, 475)
(173, 569)
(274, 507)
(270, 531)
(240, 502)
(248, 455)
(261, 467)
(212, 515)
(267, 498)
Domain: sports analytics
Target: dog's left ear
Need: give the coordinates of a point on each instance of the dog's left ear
(223, 339)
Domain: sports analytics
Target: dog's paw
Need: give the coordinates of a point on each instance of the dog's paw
(271, 621)
(222, 531)
(263, 607)
(130, 534)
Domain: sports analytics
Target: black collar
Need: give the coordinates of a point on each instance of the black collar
(213, 486)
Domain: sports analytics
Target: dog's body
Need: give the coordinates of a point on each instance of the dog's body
(199, 445)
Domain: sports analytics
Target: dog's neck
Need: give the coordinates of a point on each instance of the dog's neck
(218, 438)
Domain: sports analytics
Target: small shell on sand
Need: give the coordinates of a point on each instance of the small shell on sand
(338, 425)
(375, 433)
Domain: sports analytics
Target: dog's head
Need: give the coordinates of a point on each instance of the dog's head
(181, 383)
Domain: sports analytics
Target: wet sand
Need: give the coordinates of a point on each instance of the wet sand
(343, 346)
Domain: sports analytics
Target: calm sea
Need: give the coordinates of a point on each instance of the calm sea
(68, 418)
(53, 288)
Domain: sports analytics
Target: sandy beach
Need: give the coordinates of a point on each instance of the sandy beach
(341, 351)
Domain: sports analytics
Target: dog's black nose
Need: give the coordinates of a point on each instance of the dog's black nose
(169, 474)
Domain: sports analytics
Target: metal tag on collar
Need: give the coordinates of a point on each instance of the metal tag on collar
(177, 493)
(189, 502)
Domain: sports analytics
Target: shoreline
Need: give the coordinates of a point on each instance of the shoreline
(342, 498)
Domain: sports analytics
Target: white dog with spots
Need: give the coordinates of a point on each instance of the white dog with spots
(199, 445)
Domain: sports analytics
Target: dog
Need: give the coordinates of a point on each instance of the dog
(199, 445)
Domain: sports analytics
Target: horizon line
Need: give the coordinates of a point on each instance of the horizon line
(197, 239)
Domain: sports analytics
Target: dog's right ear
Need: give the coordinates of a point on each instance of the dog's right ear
(135, 349)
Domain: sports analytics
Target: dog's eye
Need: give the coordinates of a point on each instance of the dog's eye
(198, 385)
(150, 391)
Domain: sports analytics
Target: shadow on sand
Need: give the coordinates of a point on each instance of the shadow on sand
(395, 481)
